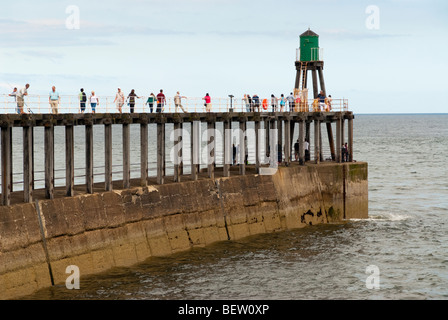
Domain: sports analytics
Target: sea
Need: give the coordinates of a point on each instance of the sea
(399, 252)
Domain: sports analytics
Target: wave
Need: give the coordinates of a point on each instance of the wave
(385, 217)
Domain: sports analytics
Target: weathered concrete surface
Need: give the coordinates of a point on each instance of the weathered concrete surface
(98, 231)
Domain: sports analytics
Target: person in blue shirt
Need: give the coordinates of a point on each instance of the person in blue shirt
(321, 97)
(54, 100)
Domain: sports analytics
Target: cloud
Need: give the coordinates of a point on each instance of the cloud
(54, 33)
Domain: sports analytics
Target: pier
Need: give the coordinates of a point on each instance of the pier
(272, 129)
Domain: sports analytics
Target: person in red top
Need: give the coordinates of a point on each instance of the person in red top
(208, 104)
(161, 100)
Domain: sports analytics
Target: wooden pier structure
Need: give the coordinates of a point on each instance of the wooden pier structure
(281, 122)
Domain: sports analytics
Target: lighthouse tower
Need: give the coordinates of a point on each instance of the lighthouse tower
(309, 57)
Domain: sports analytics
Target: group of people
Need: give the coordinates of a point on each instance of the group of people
(19, 96)
(252, 103)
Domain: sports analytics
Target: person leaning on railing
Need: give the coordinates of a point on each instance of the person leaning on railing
(82, 100)
(20, 98)
(54, 100)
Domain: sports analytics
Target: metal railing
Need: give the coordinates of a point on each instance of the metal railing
(70, 104)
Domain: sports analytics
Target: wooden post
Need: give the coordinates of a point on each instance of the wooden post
(242, 147)
(331, 140)
(350, 139)
(160, 152)
(49, 161)
(126, 156)
(316, 141)
(177, 150)
(69, 161)
(195, 149)
(257, 146)
(279, 151)
(27, 164)
(108, 156)
(266, 137)
(89, 158)
(321, 80)
(301, 142)
(287, 142)
(315, 89)
(143, 154)
(6, 165)
(228, 150)
(211, 149)
(11, 162)
(320, 143)
(338, 140)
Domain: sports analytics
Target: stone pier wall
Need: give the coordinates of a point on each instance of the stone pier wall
(120, 228)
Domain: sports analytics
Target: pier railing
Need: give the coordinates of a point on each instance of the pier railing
(39, 104)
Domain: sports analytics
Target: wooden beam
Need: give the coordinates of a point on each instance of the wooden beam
(228, 150)
(331, 140)
(315, 88)
(27, 164)
(242, 148)
(211, 142)
(89, 158)
(321, 80)
(195, 149)
(316, 141)
(350, 140)
(177, 150)
(257, 146)
(126, 156)
(6, 165)
(338, 141)
(108, 156)
(69, 161)
(49, 161)
(301, 142)
(287, 142)
(160, 153)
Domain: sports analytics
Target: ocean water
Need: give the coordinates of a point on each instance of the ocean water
(399, 252)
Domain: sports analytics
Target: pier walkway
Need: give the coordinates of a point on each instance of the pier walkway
(271, 139)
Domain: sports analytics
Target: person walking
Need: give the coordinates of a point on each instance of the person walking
(296, 150)
(54, 100)
(208, 102)
(290, 99)
(14, 94)
(151, 100)
(321, 97)
(249, 99)
(177, 102)
(246, 102)
(256, 103)
(20, 98)
(131, 97)
(274, 103)
(94, 101)
(161, 101)
(82, 100)
(307, 151)
(282, 102)
(119, 100)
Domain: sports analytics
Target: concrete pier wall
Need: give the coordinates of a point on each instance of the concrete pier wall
(120, 228)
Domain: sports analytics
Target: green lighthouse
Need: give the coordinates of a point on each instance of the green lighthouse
(309, 46)
(309, 58)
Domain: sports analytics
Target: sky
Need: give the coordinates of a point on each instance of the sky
(390, 59)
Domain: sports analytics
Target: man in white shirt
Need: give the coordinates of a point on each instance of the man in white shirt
(177, 102)
(20, 98)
